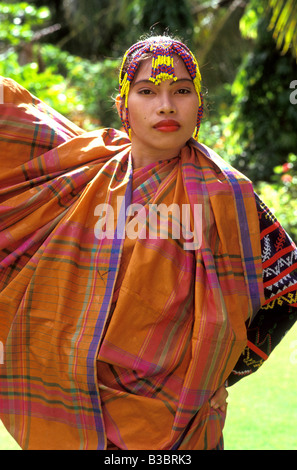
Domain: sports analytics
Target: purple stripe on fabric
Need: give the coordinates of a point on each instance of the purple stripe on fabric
(245, 238)
(246, 244)
(102, 315)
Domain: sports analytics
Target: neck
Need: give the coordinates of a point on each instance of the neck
(141, 160)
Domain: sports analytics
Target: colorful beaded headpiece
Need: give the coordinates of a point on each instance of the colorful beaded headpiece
(161, 50)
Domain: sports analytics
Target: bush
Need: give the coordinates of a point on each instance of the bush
(281, 195)
(80, 89)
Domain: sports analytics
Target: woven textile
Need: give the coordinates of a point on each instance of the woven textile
(279, 312)
(67, 295)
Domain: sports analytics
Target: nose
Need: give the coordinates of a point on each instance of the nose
(166, 105)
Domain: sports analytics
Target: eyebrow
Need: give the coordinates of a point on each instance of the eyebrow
(172, 83)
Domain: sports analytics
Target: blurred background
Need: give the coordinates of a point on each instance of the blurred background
(67, 52)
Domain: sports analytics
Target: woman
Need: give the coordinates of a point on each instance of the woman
(116, 336)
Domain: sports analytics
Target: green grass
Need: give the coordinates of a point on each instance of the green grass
(262, 410)
(6, 441)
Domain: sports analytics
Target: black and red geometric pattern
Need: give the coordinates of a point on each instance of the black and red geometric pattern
(279, 313)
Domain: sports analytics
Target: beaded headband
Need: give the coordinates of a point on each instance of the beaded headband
(161, 49)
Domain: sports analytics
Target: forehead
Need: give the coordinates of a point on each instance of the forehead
(144, 70)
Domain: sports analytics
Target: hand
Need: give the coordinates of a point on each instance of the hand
(219, 399)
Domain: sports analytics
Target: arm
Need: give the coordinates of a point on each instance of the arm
(28, 127)
(279, 313)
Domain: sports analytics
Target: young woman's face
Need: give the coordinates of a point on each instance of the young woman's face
(162, 117)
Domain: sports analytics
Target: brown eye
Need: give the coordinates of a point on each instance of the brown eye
(145, 92)
(183, 91)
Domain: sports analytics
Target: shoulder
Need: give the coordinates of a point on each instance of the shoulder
(229, 171)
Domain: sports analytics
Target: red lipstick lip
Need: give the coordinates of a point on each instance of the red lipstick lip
(167, 125)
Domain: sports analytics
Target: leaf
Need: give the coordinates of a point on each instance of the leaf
(283, 23)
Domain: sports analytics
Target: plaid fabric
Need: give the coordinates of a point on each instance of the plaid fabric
(67, 296)
(166, 369)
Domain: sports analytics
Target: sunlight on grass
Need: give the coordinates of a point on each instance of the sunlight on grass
(6, 441)
(262, 410)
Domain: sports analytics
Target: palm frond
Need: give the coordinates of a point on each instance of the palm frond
(283, 23)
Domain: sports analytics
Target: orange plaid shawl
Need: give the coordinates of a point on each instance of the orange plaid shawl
(178, 316)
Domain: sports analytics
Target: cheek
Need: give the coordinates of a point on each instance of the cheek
(193, 116)
(138, 111)
(137, 116)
